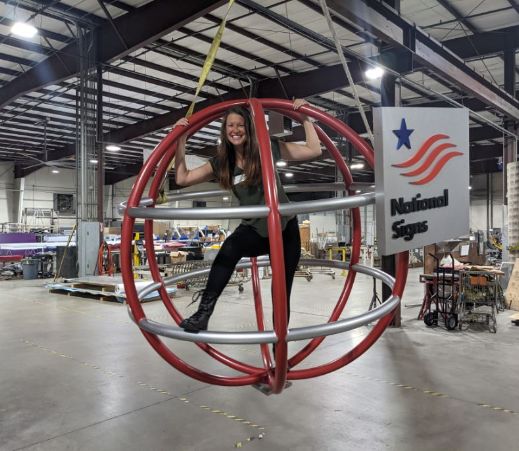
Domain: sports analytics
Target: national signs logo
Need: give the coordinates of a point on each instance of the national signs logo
(422, 168)
(430, 158)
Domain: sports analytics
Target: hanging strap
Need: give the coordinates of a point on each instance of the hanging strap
(338, 46)
(209, 60)
(208, 63)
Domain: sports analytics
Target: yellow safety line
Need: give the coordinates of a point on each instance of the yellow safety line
(208, 63)
(433, 393)
(182, 399)
(209, 60)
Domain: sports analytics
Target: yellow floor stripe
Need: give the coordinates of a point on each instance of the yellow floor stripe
(430, 393)
(155, 389)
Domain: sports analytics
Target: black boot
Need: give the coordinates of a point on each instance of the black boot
(199, 320)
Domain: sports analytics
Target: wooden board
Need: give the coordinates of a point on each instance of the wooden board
(512, 292)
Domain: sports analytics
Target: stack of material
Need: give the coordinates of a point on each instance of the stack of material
(512, 292)
(101, 287)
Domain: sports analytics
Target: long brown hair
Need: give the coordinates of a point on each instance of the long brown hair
(225, 154)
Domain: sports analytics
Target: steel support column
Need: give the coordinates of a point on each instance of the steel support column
(388, 262)
(100, 147)
(88, 227)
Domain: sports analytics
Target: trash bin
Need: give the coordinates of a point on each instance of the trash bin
(30, 268)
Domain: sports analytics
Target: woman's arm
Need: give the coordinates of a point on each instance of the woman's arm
(183, 175)
(312, 147)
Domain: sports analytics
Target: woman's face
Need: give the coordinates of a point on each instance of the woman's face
(235, 131)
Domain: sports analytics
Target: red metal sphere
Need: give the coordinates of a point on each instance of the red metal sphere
(274, 374)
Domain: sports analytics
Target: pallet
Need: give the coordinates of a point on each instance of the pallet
(89, 294)
(103, 288)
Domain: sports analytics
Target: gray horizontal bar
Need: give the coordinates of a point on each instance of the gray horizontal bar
(296, 188)
(300, 333)
(287, 209)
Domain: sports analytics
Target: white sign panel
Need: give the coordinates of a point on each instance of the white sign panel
(421, 176)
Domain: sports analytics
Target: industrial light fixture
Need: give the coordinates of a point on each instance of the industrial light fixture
(470, 187)
(113, 147)
(289, 174)
(94, 160)
(357, 166)
(374, 73)
(281, 164)
(24, 30)
(55, 171)
(225, 198)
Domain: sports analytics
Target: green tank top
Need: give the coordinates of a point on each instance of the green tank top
(254, 195)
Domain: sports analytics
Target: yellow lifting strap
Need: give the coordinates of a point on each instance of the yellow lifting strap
(209, 60)
(208, 63)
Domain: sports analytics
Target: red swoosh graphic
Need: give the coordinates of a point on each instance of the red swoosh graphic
(430, 159)
(437, 168)
(421, 151)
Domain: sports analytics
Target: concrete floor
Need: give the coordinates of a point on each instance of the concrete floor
(76, 374)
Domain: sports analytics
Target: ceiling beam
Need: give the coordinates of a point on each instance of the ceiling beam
(393, 29)
(486, 43)
(138, 28)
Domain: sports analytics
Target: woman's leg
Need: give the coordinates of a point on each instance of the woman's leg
(292, 253)
(244, 242)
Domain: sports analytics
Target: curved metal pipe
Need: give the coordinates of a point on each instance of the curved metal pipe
(297, 188)
(288, 209)
(296, 334)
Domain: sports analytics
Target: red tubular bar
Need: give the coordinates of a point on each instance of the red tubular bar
(355, 252)
(370, 339)
(159, 162)
(160, 175)
(126, 263)
(277, 260)
(258, 306)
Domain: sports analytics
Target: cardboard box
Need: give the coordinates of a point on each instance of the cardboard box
(160, 228)
(178, 256)
(112, 231)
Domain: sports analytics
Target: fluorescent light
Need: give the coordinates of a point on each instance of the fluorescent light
(374, 73)
(94, 160)
(113, 147)
(357, 166)
(357, 191)
(24, 30)
(225, 198)
(281, 164)
(55, 171)
(289, 174)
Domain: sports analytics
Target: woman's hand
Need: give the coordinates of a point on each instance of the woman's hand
(181, 122)
(312, 147)
(298, 103)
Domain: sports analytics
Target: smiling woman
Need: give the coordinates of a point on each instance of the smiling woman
(237, 166)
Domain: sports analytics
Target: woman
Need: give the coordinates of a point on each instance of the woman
(236, 166)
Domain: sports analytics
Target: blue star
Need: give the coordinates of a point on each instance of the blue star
(403, 135)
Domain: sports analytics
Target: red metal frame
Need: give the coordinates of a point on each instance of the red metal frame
(156, 167)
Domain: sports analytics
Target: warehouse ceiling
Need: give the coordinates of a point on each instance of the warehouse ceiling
(150, 55)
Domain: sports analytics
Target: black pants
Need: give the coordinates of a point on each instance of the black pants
(245, 242)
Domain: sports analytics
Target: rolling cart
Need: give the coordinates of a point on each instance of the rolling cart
(478, 303)
(441, 292)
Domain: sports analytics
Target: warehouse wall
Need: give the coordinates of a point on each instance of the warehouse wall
(38, 192)
(42, 184)
(6, 192)
(478, 201)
